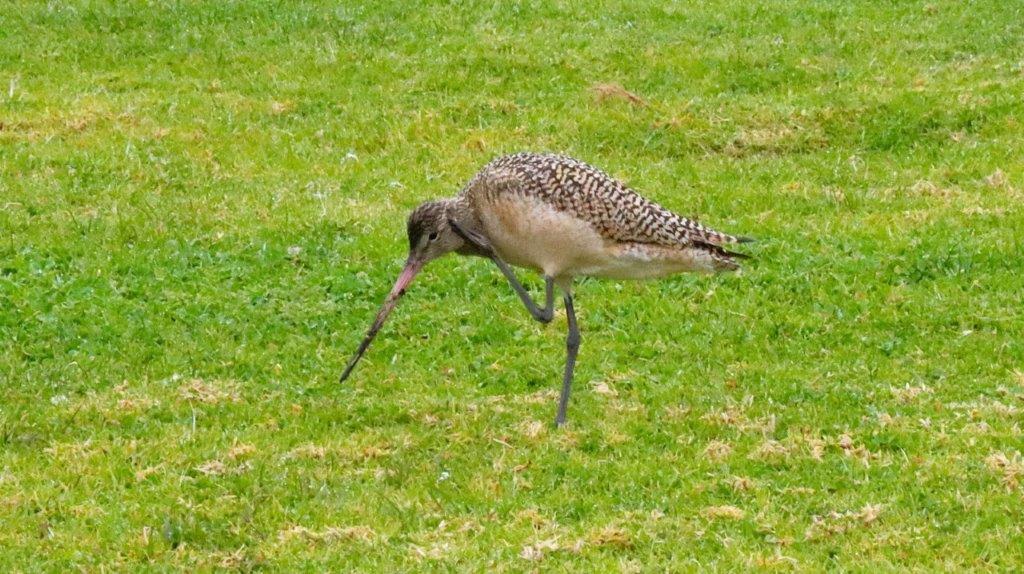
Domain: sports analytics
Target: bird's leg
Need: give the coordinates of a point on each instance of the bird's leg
(484, 247)
(572, 346)
(543, 315)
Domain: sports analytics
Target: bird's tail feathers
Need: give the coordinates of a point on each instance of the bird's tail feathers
(721, 259)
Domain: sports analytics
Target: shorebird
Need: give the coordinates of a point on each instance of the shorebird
(565, 219)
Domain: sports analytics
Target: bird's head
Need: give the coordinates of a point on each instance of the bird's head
(430, 233)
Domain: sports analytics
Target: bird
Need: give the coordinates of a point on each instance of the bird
(564, 219)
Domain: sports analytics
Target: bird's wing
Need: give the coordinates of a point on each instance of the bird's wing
(616, 212)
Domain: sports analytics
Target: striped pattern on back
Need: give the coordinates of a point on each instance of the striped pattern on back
(615, 211)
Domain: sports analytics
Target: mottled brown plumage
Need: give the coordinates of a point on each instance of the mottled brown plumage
(564, 218)
(623, 218)
(616, 211)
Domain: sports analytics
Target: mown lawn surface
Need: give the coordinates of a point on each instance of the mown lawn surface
(202, 204)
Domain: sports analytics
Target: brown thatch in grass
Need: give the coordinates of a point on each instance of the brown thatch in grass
(612, 536)
(996, 179)
(740, 483)
(536, 551)
(209, 392)
(1010, 467)
(613, 91)
(727, 512)
(717, 450)
(330, 534)
(839, 522)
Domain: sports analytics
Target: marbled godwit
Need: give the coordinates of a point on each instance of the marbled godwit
(565, 219)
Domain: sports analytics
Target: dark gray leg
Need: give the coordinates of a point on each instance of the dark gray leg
(572, 346)
(484, 249)
(543, 315)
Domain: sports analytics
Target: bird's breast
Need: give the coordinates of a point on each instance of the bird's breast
(529, 232)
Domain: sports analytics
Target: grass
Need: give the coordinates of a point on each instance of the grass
(203, 203)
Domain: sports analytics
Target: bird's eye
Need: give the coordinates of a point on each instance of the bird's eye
(432, 236)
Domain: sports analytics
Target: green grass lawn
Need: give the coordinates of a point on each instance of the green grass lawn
(202, 204)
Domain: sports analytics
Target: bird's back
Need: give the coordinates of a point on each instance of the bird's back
(614, 210)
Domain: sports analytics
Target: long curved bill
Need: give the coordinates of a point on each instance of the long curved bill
(412, 267)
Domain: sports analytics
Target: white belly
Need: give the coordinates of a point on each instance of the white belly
(530, 233)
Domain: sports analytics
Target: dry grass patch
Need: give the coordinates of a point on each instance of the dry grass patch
(724, 512)
(282, 107)
(926, 188)
(534, 518)
(72, 451)
(771, 451)
(908, 393)
(209, 392)
(717, 450)
(613, 91)
(536, 551)
(239, 451)
(1009, 467)
(532, 429)
(143, 474)
(212, 468)
(363, 534)
(604, 388)
(611, 536)
(735, 416)
(307, 451)
(839, 522)
(740, 483)
(996, 179)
